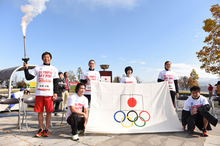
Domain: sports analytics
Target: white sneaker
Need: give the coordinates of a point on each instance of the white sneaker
(75, 137)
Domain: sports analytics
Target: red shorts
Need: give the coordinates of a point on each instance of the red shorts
(41, 101)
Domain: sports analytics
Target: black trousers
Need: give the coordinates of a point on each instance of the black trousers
(76, 122)
(88, 97)
(57, 104)
(173, 94)
(192, 120)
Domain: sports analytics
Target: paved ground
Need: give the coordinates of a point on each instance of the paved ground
(61, 136)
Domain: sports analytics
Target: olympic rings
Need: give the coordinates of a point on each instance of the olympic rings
(117, 120)
(147, 113)
(135, 119)
(135, 113)
(132, 121)
(129, 120)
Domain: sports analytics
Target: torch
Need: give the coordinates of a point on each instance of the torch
(25, 59)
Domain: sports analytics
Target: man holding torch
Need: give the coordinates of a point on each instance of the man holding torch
(46, 90)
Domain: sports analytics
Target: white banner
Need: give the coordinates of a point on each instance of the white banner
(131, 108)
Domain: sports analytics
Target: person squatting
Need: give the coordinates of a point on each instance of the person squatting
(195, 113)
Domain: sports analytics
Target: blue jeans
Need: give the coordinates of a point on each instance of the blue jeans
(11, 105)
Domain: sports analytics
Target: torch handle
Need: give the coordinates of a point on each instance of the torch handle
(25, 59)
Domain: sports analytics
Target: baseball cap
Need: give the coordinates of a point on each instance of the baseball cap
(21, 89)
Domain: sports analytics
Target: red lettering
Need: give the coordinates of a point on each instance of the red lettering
(195, 106)
(129, 82)
(45, 74)
(166, 77)
(92, 77)
(44, 81)
(78, 106)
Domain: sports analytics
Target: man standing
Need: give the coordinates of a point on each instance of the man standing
(77, 113)
(65, 94)
(46, 90)
(61, 88)
(88, 76)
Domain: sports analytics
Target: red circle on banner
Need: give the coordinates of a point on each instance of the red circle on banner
(132, 102)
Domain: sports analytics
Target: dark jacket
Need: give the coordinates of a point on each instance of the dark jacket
(61, 88)
(189, 119)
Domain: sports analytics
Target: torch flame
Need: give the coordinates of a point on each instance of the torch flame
(24, 26)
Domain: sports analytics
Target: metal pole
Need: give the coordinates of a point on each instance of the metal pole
(25, 59)
(25, 56)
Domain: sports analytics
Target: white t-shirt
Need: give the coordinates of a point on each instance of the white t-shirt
(45, 75)
(191, 103)
(169, 76)
(128, 80)
(78, 102)
(93, 75)
(18, 94)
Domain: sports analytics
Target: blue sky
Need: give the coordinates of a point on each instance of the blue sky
(142, 34)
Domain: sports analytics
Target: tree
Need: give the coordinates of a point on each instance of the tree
(209, 55)
(78, 73)
(194, 75)
(1, 81)
(22, 84)
(117, 79)
(15, 80)
(195, 82)
(138, 79)
(7, 82)
(184, 82)
(190, 82)
(72, 76)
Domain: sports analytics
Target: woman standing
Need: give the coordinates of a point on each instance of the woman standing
(170, 76)
(128, 79)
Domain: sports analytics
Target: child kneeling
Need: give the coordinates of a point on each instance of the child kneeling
(195, 112)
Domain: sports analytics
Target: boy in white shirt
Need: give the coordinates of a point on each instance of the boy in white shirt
(77, 113)
(195, 112)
